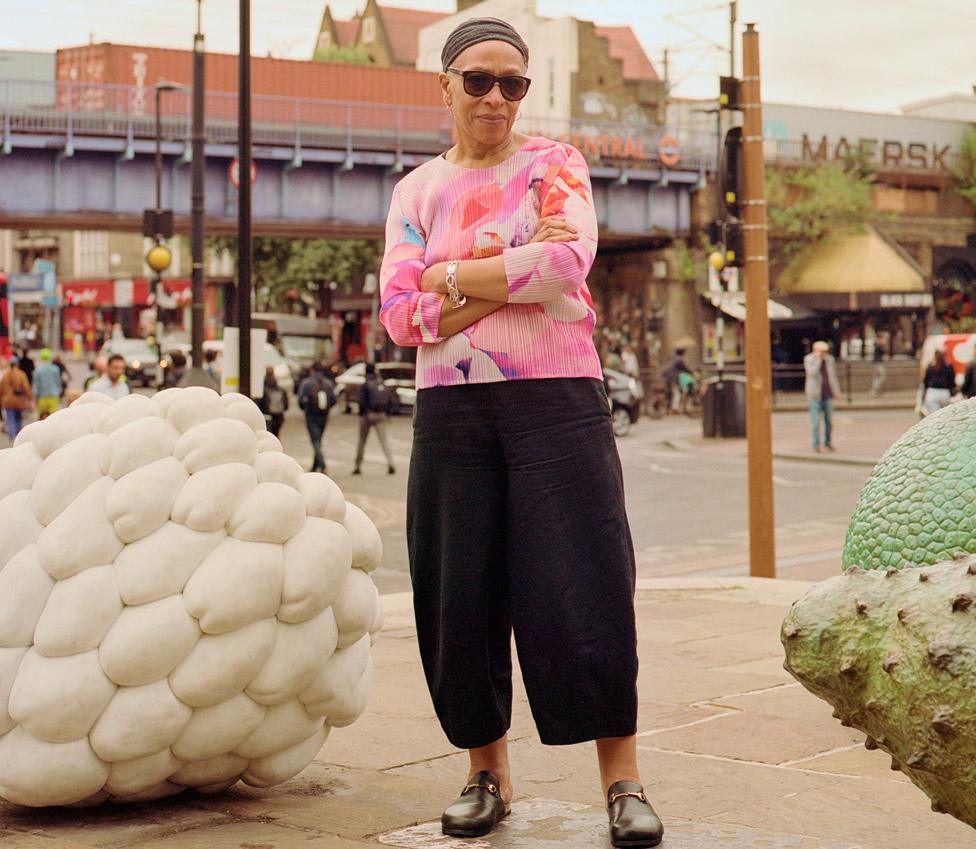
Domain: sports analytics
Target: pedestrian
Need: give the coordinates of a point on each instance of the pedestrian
(112, 383)
(273, 402)
(316, 397)
(26, 363)
(210, 367)
(968, 389)
(877, 381)
(375, 405)
(47, 385)
(938, 384)
(65, 374)
(822, 387)
(631, 365)
(15, 398)
(98, 369)
(671, 373)
(173, 375)
(515, 505)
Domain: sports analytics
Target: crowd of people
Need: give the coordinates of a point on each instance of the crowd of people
(45, 386)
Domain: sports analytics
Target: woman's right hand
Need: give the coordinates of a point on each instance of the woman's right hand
(555, 229)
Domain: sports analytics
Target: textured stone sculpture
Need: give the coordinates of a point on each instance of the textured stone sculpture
(891, 643)
(895, 654)
(180, 604)
(919, 506)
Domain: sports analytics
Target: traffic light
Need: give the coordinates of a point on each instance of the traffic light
(735, 248)
(730, 171)
(157, 223)
(728, 93)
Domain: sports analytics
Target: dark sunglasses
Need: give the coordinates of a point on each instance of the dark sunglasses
(479, 83)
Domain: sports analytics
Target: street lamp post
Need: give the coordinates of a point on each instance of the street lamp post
(195, 375)
(244, 200)
(160, 257)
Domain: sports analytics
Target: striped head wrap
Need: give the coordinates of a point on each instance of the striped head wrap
(476, 30)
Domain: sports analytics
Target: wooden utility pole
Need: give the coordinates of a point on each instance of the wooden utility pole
(759, 426)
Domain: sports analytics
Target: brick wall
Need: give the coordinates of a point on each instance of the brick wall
(600, 92)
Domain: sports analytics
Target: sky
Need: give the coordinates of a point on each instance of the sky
(872, 55)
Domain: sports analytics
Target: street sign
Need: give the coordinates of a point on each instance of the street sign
(234, 172)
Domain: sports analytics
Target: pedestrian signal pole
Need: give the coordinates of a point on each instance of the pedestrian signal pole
(759, 428)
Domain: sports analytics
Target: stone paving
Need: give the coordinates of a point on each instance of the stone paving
(734, 754)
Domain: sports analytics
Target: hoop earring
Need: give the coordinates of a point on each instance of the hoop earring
(518, 114)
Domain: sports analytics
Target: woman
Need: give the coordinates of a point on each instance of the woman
(15, 398)
(938, 384)
(273, 402)
(515, 513)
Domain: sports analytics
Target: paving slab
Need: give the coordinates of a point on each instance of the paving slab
(544, 823)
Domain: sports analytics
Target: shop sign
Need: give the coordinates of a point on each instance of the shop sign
(906, 300)
(885, 152)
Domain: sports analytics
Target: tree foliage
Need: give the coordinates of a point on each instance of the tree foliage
(965, 172)
(302, 269)
(354, 54)
(812, 203)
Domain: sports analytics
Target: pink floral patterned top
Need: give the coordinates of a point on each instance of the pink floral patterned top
(442, 211)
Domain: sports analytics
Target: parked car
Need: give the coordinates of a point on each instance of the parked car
(141, 359)
(626, 395)
(283, 368)
(399, 377)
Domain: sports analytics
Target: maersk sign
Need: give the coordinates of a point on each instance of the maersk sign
(889, 141)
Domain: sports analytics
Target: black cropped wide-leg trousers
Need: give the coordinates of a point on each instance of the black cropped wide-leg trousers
(516, 521)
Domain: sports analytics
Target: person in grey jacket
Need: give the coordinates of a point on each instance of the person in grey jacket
(822, 386)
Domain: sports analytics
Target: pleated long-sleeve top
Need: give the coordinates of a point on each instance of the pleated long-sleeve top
(441, 212)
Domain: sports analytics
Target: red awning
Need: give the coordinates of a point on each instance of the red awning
(119, 293)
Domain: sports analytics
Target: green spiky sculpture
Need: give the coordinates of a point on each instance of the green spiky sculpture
(919, 505)
(895, 654)
(891, 643)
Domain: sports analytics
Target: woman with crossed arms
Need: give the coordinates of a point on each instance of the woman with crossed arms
(515, 505)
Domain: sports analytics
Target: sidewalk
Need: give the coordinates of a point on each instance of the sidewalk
(734, 753)
(859, 437)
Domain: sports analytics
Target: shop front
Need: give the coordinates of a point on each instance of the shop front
(91, 309)
(871, 298)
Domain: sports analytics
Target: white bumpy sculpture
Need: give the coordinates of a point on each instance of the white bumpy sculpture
(180, 604)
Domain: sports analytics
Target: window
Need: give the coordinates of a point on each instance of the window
(369, 30)
(91, 253)
(325, 40)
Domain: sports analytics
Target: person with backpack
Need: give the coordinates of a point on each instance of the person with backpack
(316, 396)
(273, 402)
(375, 405)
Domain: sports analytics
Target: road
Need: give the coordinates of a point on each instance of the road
(688, 507)
(687, 501)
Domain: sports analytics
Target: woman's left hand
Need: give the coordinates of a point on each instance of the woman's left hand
(434, 279)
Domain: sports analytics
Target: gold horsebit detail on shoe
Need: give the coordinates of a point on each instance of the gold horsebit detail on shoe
(636, 795)
(489, 787)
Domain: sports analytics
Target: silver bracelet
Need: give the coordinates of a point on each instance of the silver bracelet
(453, 292)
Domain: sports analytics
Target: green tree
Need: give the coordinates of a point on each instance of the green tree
(307, 266)
(354, 54)
(813, 203)
(965, 171)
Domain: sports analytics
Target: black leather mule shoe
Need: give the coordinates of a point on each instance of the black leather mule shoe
(633, 822)
(477, 810)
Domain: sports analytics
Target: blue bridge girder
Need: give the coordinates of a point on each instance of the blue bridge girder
(76, 156)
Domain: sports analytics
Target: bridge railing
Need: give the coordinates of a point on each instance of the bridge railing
(70, 109)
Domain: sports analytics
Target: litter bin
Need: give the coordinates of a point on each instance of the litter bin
(724, 406)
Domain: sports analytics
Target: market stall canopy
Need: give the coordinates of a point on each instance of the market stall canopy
(860, 262)
(733, 304)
